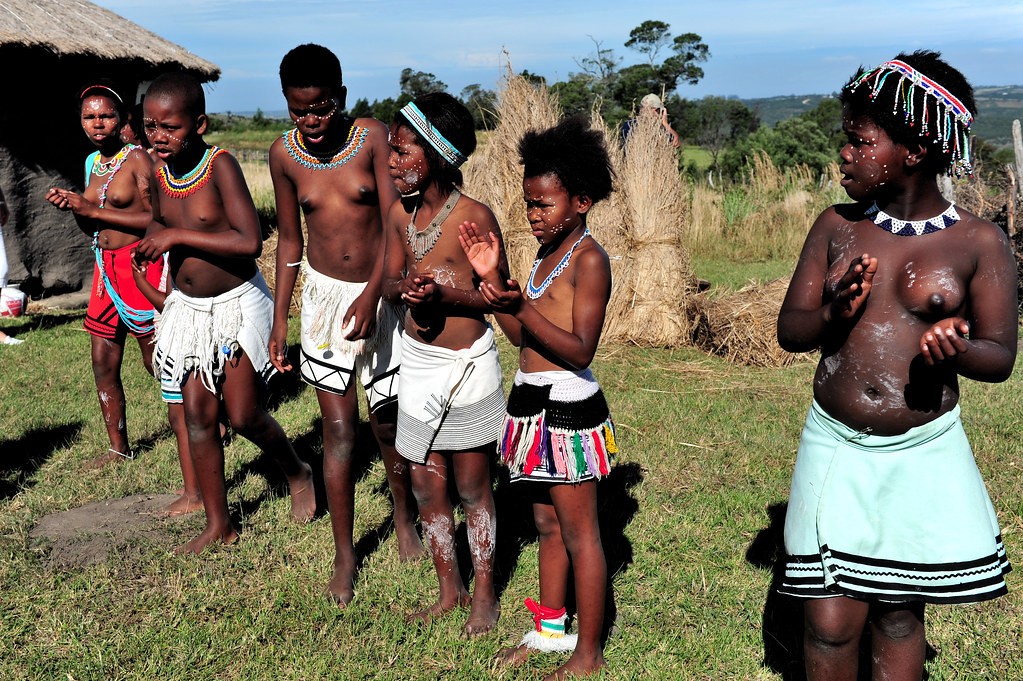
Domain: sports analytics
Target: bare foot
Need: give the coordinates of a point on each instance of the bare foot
(437, 610)
(183, 505)
(410, 546)
(578, 666)
(303, 495)
(209, 536)
(483, 617)
(513, 657)
(341, 589)
(110, 456)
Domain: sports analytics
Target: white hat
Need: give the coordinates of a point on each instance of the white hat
(651, 101)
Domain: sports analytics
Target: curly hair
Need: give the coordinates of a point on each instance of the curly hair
(454, 121)
(896, 121)
(574, 153)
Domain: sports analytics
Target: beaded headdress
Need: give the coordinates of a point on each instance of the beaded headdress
(446, 149)
(948, 116)
(109, 91)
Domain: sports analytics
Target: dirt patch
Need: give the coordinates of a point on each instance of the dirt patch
(89, 534)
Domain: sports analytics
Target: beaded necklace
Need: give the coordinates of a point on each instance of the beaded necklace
(947, 218)
(422, 242)
(535, 292)
(310, 159)
(189, 183)
(112, 166)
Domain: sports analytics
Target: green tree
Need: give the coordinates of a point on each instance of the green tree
(828, 117)
(361, 109)
(790, 143)
(481, 104)
(649, 38)
(417, 83)
(716, 123)
(689, 50)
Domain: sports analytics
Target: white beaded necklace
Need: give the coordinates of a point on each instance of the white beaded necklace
(535, 292)
(913, 227)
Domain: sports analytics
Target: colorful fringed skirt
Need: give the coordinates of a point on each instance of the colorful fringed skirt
(891, 518)
(558, 428)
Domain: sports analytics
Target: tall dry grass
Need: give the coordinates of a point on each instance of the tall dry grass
(640, 225)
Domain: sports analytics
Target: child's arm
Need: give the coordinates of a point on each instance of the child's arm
(485, 256)
(592, 279)
(395, 284)
(138, 273)
(364, 307)
(805, 320)
(289, 251)
(140, 165)
(242, 239)
(990, 352)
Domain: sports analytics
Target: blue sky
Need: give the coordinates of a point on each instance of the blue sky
(758, 48)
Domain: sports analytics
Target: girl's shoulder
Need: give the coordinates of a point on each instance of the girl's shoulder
(469, 209)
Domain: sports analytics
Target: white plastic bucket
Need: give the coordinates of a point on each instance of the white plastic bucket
(12, 302)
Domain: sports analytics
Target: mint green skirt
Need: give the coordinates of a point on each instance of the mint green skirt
(891, 518)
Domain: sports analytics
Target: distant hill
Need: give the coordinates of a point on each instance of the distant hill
(997, 107)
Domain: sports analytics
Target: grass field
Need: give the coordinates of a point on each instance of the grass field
(691, 518)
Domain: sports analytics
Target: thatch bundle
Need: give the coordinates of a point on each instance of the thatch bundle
(742, 327)
(639, 225)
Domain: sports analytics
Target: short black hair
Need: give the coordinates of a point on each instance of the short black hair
(182, 86)
(310, 65)
(574, 153)
(894, 121)
(454, 121)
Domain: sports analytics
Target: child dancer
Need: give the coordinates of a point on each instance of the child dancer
(216, 323)
(190, 498)
(558, 436)
(334, 168)
(114, 209)
(450, 400)
(902, 292)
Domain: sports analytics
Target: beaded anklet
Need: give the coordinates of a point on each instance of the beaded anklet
(550, 636)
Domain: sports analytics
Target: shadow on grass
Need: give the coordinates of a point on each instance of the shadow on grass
(29, 323)
(616, 508)
(23, 456)
(284, 387)
(783, 615)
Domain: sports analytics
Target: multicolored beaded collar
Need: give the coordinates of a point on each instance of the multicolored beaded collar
(297, 150)
(112, 166)
(913, 227)
(190, 183)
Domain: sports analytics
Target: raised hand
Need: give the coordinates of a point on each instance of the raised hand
(853, 288)
(944, 341)
(483, 254)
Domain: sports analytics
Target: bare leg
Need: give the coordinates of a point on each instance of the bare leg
(472, 478)
(554, 568)
(190, 498)
(576, 508)
(899, 643)
(252, 422)
(340, 420)
(106, 368)
(831, 637)
(430, 484)
(410, 547)
(208, 457)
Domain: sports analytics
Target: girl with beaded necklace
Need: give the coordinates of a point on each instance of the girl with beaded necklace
(558, 436)
(450, 398)
(115, 211)
(903, 292)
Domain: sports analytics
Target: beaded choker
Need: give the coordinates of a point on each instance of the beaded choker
(100, 169)
(310, 159)
(913, 227)
(422, 242)
(951, 119)
(190, 183)
(535, 292)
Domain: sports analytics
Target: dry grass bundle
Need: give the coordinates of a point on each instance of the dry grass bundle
(640, 225)
(493, 174)
(743, 326)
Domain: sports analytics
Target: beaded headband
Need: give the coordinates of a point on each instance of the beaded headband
(446, 149)
(102, 87)
(953, 118)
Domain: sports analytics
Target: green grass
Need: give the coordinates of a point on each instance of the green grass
(689, 515)
(727, 274)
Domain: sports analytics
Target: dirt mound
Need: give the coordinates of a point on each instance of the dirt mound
(88, 534)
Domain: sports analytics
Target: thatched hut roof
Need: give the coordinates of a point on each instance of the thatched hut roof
(76, 27)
